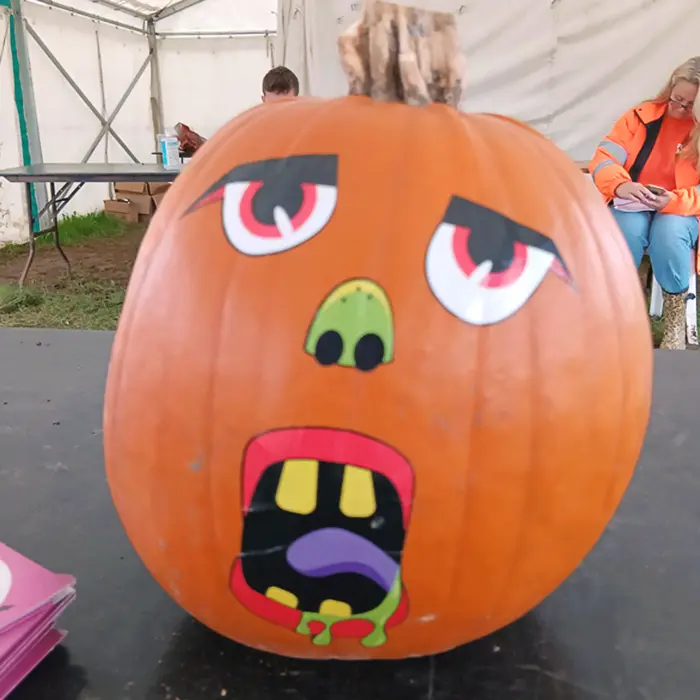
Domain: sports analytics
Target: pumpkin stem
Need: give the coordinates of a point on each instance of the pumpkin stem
(402, 54)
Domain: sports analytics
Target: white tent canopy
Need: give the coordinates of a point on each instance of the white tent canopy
(568, 67)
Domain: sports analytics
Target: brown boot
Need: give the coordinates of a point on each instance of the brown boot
(644, 270)
(674, 322)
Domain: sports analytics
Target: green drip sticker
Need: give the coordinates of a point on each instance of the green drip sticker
(378, 617)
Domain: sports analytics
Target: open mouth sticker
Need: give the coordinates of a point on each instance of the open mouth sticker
(326, 514)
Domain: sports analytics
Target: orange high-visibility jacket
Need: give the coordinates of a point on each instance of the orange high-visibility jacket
(617, 153)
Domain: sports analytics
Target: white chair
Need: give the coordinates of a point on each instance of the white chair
(656, 306)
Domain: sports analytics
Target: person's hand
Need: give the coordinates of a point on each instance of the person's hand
(637, 193)
(662, 200)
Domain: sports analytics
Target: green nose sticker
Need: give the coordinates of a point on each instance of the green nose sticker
(353, 327)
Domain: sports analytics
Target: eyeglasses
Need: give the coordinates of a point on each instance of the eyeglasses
(680, 104)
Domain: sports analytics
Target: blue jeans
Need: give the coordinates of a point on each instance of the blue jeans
(668, 238)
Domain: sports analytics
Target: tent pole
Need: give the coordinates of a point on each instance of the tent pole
(29, 122)
(121, 8)
(103, 99)
(271, 51)
(107, 123)
(173, 9)
(88, 15)
(219, 34)
(156, 89)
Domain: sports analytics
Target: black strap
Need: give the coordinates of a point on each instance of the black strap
(652, 134)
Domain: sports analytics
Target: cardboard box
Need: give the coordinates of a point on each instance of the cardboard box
(158, 187)
(143, 203)
(121, 210)
(141, 187)
(132, 187)
(158, 198)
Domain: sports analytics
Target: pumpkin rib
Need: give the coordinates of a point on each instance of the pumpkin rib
(481, 337)
(322, 112)
(555, 163)
(612, 296)
(121, 341)
(126, 328)
(628, 359)
(528, 499)
(461, 126)
(390, 213)
(205, 410)
(214, 545)
(118, 363)
(209, 424)
(139, 277)
(527, 504)
(158, 434)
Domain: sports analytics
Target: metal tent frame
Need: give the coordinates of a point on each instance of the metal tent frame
(21, 33)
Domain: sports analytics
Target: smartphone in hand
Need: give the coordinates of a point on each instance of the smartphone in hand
(655, 189)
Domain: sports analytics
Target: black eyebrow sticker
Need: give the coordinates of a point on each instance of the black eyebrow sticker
(278, 173)
(312, 169)
(494, 230)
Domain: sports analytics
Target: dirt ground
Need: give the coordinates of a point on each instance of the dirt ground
(99, 259)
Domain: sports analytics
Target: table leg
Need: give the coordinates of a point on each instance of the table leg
(54, 230)
(32, 239)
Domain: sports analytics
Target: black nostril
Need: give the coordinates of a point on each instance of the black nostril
(369, 352)
(329, 348)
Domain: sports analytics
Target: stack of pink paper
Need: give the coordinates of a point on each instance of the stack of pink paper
(31, 599)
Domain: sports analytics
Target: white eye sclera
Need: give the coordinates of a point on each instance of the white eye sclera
(483, 267)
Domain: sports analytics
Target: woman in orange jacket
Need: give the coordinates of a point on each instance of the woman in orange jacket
(649, 163)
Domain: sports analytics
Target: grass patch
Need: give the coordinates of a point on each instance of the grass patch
(87, 304)
(93, 299)
(74, 230)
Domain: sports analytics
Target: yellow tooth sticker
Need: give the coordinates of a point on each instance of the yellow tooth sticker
(335, 608)
(279, 595)
(296, 492)
(357, 499)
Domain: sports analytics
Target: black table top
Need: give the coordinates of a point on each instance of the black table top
(90, 172)
(623, 627)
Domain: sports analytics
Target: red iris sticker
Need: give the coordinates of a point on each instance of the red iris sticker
(494, 280)
(253, 224)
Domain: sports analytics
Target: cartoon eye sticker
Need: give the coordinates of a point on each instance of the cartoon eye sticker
(272, 206)
(483, 267)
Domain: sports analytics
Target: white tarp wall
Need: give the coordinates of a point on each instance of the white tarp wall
(205, 81)
(568, 67)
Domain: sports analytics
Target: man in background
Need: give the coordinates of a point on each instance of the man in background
(278, 83)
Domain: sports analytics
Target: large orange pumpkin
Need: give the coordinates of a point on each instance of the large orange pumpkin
(381, 379)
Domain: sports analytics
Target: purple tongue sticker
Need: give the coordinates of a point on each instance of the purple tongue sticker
(334, 551)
